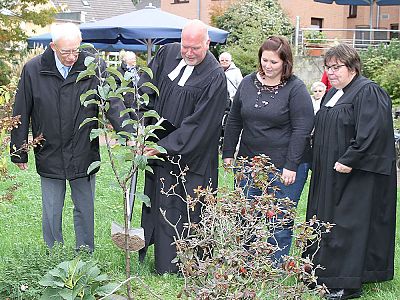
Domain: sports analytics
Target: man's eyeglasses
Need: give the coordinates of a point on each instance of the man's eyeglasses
(333, 68)
(68, 52)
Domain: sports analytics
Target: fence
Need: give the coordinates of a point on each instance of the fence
(314, 41)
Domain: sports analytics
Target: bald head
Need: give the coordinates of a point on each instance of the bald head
(194, 42)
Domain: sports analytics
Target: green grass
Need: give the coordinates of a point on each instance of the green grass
(23, 255)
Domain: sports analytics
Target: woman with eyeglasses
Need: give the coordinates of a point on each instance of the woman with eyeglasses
(318, 89)
(273, 111)
(353, 183)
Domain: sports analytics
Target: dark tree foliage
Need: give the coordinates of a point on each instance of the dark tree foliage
(249, 24)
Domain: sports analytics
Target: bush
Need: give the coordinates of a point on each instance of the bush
(19, 278)
(381, 64)
(229, 253)
(5, 73)
(249, 24)
(389, 79)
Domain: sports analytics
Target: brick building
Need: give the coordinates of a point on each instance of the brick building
(312, 14)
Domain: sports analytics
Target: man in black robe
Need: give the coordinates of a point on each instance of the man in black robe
(192, 96)
(353, 183)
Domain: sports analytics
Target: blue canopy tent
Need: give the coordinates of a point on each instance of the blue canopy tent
(369, 3)
(45, 39)
(149, 26)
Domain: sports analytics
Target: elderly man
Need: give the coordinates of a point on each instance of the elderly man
(233, 74)
(192, 97)
(48, 98)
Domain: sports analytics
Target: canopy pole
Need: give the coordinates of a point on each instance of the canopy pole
(371, 13)
(149, 47)
(297, 35)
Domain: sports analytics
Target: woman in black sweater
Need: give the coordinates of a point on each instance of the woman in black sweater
(272, 109)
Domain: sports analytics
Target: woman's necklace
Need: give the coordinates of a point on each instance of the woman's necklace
(272, 90)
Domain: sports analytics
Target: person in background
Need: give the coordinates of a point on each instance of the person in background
(318, 89)
(48, 99)
(233, 79)
(192, 96)
(128, 64)
(353, 183)
(272, 108)
(325, 80)
(233, 74)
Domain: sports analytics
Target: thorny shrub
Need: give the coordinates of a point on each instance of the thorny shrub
(229, 253)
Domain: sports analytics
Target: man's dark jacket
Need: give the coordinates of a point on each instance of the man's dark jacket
(51, 104)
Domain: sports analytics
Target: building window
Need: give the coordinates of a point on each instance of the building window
(394, 35)
(316, 22)
(179, 1)
(352, 11)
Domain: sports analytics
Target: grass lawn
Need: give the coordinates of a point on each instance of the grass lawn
(23, 254)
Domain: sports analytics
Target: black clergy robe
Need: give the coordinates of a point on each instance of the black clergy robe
(196, 109)
(357, 132)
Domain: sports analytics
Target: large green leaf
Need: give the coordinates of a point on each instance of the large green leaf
(95, 132)
(106, 289)
(88, 60)
(50, 294)
(93, 166)
(115, 72)
(148, 71)
(151, 86)
(151, 113)
(92, 101)
(83, 74)
(66, 294)
(88, 93)
(112, 82)
(143, 198)
(87, 120)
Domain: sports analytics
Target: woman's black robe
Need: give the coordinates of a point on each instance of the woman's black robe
(357, 132)
(196, 109)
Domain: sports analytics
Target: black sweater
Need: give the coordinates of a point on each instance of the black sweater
(280, 129)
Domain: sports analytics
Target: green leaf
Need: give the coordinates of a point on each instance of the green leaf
(141, 161)
(66, 294)
(86, 73)
(95, 132)
(106, 289)
(89, 60)
(129, 121)
(151, 113)
(102, 92)
(88, 93)
(87, 120)
(145, 98)
(115, 72)
(94, 165)
(125, 111)
(50, 294)
(149, 169)
(92, 101)
(151, 86)
(148, 71)
(86, 46)
(112, 82)
(143, 198)
(102, 277)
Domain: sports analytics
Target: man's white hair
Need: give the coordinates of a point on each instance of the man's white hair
(66, 31)
(318, 84)
(226, 55)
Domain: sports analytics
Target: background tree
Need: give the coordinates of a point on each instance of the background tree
(249, 24)
(14, 13)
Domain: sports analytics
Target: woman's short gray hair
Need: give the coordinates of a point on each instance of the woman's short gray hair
(345, 54)
(65, 30)
(318, 84)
